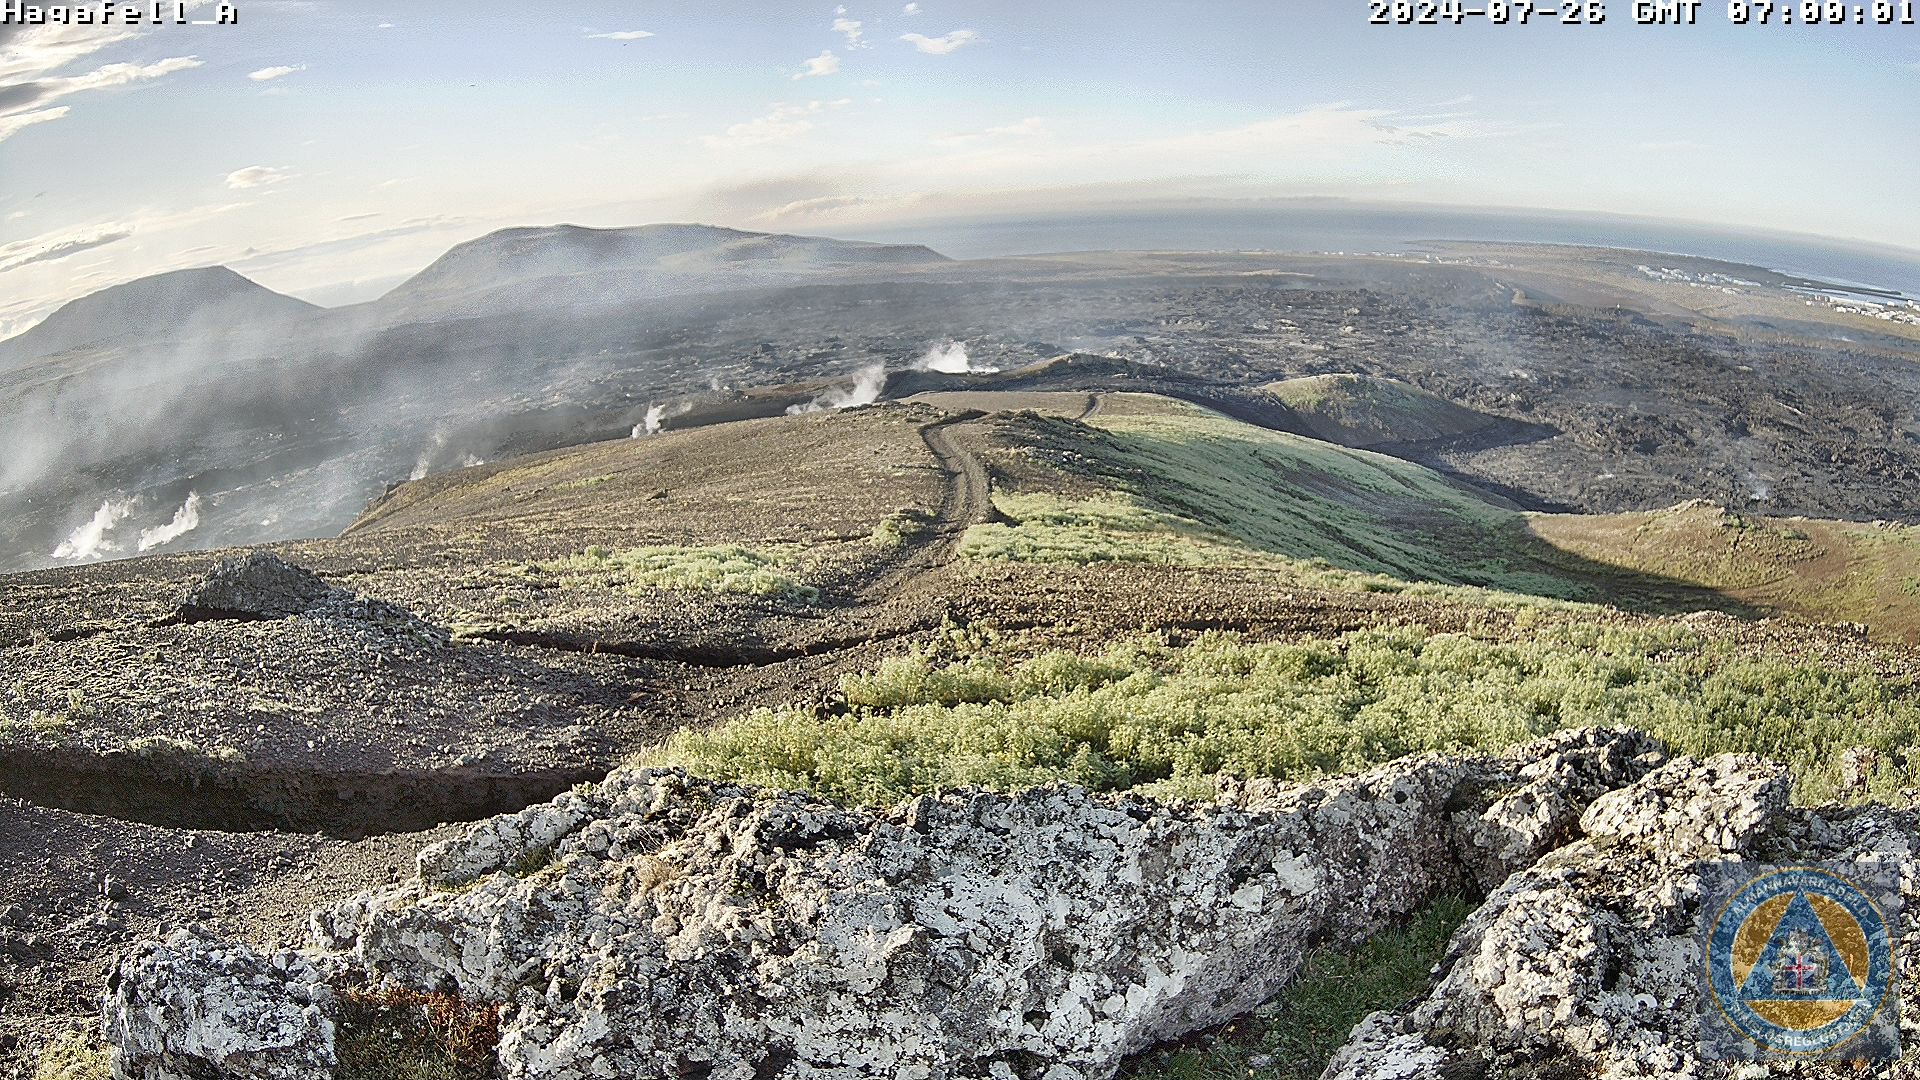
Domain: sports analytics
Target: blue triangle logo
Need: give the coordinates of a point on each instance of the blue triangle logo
(1799, 962)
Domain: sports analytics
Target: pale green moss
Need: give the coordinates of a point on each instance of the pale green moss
(728, 569)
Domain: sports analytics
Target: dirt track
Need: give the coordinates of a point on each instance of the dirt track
(966, 501)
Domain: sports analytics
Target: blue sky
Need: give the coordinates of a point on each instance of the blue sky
(328, 147)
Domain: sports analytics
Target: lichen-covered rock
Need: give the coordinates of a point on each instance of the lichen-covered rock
(669, 924)
(502, 842)
(661, 925)
(1378, 1050)
(1692, 809)
(1588, 963)
(193, 1008)
(1569, 771)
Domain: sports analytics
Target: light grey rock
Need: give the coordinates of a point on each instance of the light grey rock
(683, 924)
(1378, 1050)
(193, 1008)
(1692, 809)
(1567, 772)
(498, 843)
(661, 925)
(1588, 963)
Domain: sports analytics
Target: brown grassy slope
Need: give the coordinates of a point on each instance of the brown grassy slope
(1828, 571)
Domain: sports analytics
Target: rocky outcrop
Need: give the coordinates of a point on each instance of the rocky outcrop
(192, 1007)
(262, 587)
(661, 925)
(254, 586)
(1589, 962)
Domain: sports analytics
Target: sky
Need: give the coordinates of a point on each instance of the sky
(328, 148)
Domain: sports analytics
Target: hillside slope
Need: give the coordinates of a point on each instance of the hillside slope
(182, 303)
(1834, 571)
(1368, 411)
(1120, 591)
(1149, 480)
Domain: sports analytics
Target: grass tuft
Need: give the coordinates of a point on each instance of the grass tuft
(394, 1034)
(72, 1055)
(1293, 1036)
(899, 528)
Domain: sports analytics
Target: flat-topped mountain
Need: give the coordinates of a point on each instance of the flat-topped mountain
(180, 303)
(501, 265)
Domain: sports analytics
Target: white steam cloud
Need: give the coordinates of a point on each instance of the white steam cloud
(867, 384)
(185, 520)
(90, 541)
(950, 358)
(423, 465)
(657, 416)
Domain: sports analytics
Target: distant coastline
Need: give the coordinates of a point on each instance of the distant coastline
(1322, 226)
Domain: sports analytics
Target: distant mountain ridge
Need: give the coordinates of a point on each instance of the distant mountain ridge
(609, 263)
(174, 304)
(497, 270)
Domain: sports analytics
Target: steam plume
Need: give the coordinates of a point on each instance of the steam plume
(185, 520)
(658, 415)
(89, 541)
(950, 358)
(867, 384)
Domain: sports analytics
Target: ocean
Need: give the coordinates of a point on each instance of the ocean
(1317, 226)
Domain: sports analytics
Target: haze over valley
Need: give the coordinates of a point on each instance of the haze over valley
(197, 409)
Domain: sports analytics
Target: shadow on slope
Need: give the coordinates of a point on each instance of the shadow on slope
(1152, 480)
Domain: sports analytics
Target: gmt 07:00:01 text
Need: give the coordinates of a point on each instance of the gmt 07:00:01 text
(1645, 13)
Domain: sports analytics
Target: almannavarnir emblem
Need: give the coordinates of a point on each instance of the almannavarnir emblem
(1799, 962)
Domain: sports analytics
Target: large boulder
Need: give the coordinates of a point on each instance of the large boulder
(194, 1008)
(674, 924)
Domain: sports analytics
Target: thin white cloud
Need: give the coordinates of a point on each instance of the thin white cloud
(785, 121)
(621, 35)
(49, 248)
(824, 64)
(1031, 127)
(121, 74)
(910, 9)
(1327, 141)
(11, 124)
(254, 176)
(942, 45)
(815, 208)
(849, 29)
(28, 87)
(268, 74)
(37, 52)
